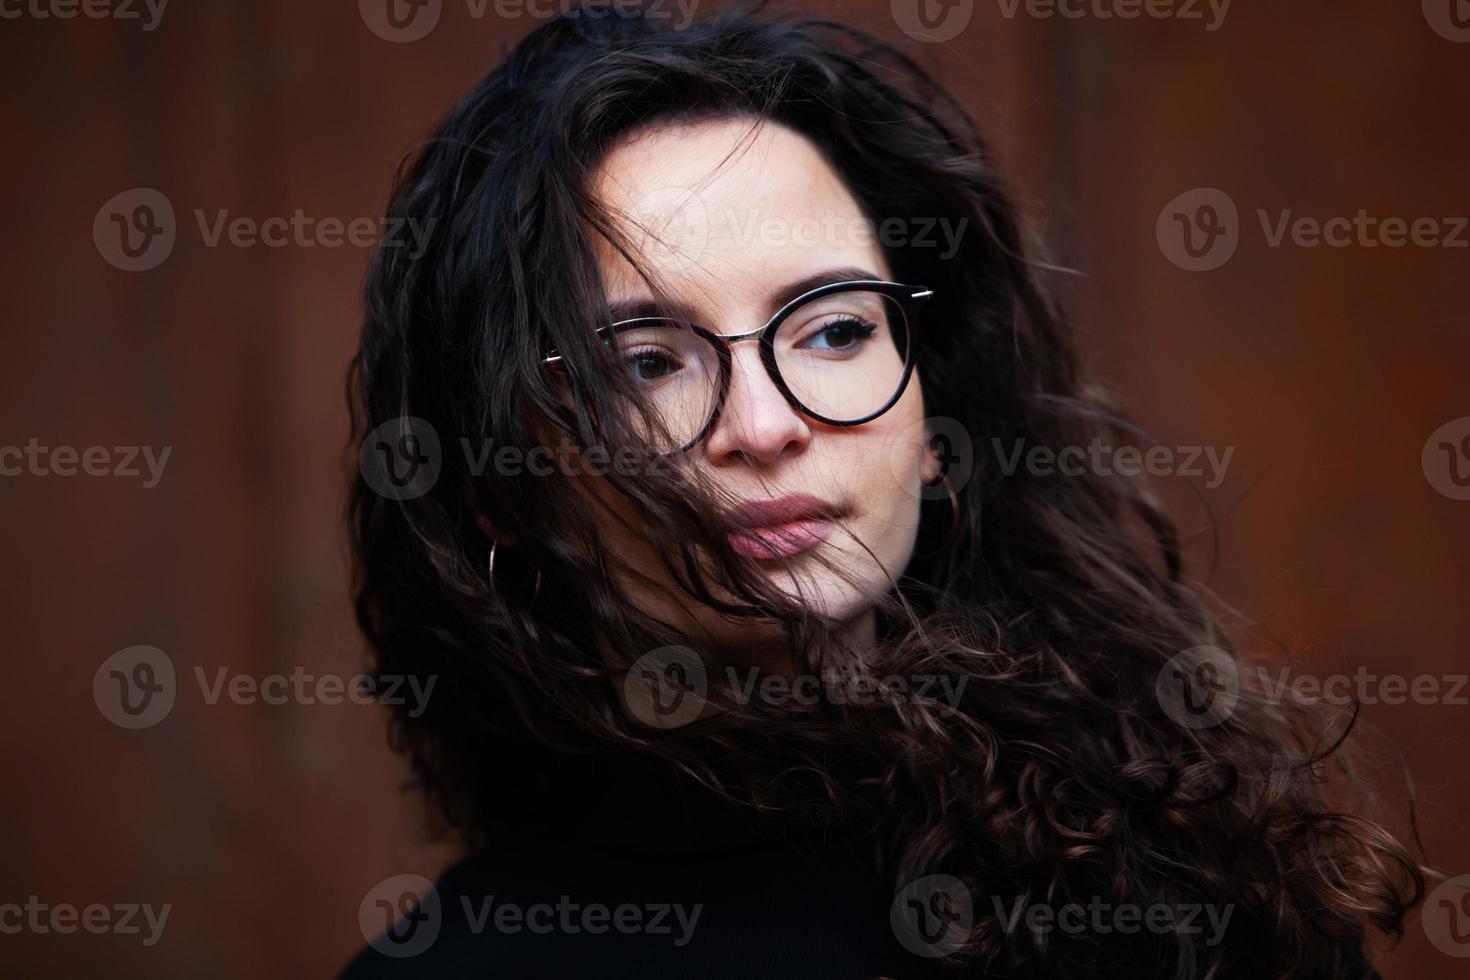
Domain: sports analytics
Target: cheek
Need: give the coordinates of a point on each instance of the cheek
(891, 465)
(906, 436)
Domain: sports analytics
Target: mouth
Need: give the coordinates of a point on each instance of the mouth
(782, 527)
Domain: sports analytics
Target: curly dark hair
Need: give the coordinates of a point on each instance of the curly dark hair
(1059, 774)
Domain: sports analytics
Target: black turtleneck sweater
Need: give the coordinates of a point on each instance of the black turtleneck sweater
(659, 879)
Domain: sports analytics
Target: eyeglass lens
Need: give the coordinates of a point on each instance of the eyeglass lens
(842, 356)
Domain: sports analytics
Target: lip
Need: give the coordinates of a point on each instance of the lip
(780, 527)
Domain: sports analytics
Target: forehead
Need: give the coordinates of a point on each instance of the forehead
(721, 210)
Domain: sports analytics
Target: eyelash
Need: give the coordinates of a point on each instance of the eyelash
(862, 327)
(632, 356)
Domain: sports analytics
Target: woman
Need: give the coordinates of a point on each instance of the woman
(746, 666)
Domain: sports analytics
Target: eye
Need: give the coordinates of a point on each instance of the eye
(845, 333)
(650, 363)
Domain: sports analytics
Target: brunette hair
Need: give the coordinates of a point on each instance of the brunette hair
(1060, 773)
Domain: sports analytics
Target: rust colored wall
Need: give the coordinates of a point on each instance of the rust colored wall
(1324, 369)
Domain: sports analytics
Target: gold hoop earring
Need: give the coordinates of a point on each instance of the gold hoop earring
(490, 575)
(954, 508)
(954, 500)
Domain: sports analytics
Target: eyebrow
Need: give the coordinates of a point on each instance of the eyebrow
(775, 299)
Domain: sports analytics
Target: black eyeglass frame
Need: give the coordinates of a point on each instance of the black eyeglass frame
(909, 299)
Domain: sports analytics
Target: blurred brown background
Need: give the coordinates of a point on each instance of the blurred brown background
(1325, 368)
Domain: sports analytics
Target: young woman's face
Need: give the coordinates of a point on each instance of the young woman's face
(729, 219)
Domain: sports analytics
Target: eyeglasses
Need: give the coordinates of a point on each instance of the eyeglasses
(842, 354)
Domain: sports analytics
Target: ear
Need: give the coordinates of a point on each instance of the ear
(493, 534)
(931, 470)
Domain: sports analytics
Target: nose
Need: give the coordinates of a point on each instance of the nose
(757, 424)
